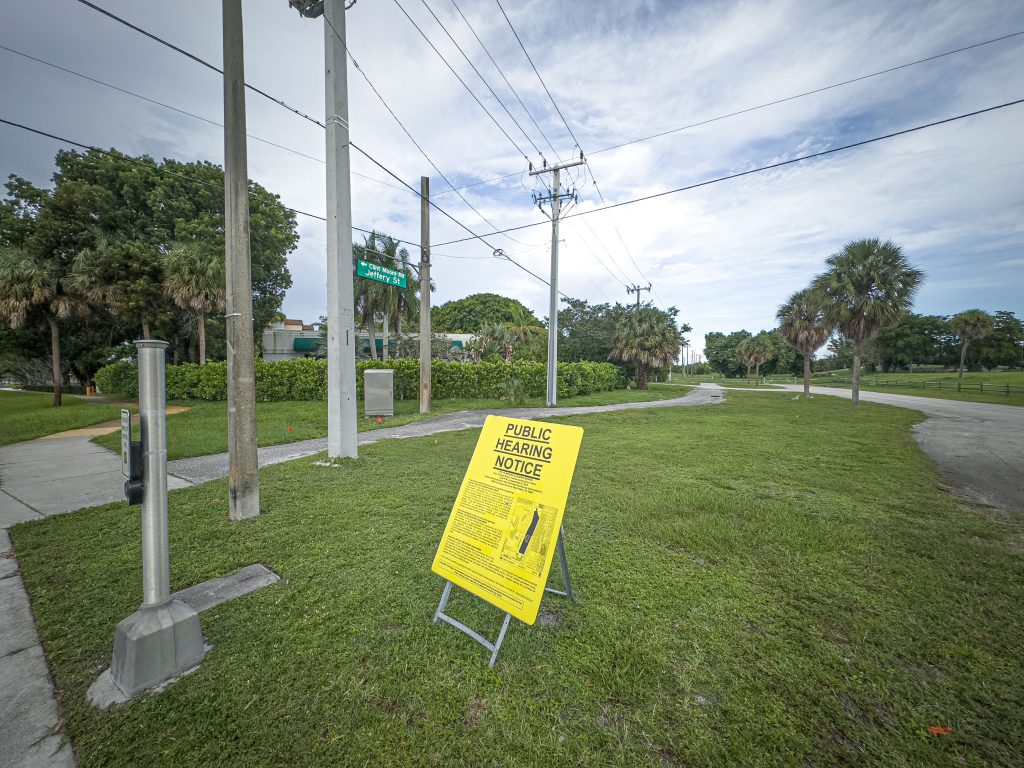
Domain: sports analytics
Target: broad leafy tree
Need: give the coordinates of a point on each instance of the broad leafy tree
(970, 325)
(721, 351)
(805, 327)
(868, 286)
(468, 315)
(647, 338)
(586, 330)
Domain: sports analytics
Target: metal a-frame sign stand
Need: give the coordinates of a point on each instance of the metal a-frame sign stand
(495, 647)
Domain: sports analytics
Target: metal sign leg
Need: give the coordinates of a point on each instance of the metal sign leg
(440, 615)
(564, 563)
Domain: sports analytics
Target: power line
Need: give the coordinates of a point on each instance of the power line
(809, 93)
(759, 169)
(198, 60)
(410, 137)
(546, 90)
(208, 65)
(158, 169)
(503, 77)
(457, 77)
(566, 124)
(769, 103)
(482, 78)
(182, 111)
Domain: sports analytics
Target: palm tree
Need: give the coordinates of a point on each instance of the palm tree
(755, 352)
(745, 355)
(34, 287)
(496, 339)
(648, 338)
(868, 286)
(194, 280)
(970, 325)
(803, 325)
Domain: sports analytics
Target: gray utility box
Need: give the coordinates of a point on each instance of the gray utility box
(379, 392)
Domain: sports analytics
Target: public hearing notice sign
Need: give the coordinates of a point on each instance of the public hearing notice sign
(504, 527)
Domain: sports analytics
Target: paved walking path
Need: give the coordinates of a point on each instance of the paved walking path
(204, 468)
(66, 472)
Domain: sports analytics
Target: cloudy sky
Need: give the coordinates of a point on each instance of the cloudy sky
(726, 254)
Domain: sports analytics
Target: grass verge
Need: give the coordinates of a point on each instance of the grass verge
(779, 582)
(28, 415)
(202, 430)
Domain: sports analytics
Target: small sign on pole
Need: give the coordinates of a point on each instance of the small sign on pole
(380, 273)
(506, 524)
(126, 442)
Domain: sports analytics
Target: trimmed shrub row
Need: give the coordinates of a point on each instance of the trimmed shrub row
(306, 379)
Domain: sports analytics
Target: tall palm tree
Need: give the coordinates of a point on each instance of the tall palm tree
(194, 280)
(745, 354)
(804, 326)
(755, 352)
(868, 286)
(648, 338)
(971, 325)
(34, 287)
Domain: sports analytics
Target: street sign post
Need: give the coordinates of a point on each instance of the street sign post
(381, 274)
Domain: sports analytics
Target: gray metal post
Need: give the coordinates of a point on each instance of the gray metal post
(162, 638)
(156, 563)
(556, 206)
(341, 350)
(426, 395)
(243, 469)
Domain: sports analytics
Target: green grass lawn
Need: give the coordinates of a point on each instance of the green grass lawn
(761, 582)
(28, 415)
(941, 385)
(202, 430)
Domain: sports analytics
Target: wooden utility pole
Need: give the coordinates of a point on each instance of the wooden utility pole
(243, 470)
(425, 350)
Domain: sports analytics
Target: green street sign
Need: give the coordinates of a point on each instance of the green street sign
(385, 275)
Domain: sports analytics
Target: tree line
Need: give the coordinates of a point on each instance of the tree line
(861, 306)
(124, 247)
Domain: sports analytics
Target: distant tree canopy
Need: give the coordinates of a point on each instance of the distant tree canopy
(722, 353)
(105, 226)
(468, 315)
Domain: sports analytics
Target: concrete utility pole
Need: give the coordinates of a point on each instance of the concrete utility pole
(243, 470)
(425, 391)
(555, 198)
(341, 330)
(636, 289)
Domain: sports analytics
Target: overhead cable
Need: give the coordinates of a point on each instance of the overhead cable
(760, 169)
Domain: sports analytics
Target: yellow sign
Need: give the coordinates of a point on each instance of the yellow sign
(504, 527)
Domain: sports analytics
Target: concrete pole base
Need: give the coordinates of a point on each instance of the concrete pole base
(155, 644)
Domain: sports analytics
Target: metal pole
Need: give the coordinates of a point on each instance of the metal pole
(556, 206)
(243, 470)
(425, 391)
(341, 354)
(156, 563)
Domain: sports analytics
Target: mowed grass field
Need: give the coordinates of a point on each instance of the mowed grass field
(202, 429)
(28, 415)
(942, 385)
(767, 581)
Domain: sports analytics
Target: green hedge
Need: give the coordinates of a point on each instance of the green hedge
(306, 379)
